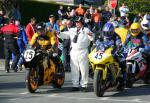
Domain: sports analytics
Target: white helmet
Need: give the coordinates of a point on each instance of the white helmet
(145, 24)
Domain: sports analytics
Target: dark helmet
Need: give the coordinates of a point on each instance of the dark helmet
(79, 19)
(108, 30)
(123, 22)
(41, 28)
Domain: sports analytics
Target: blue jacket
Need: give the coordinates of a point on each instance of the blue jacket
(22, 39)
(54, 26)
(103, 43)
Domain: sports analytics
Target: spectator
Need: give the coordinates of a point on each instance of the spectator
(97, 24)
(106, 14)
(68, 12)
(61, 13)
(72, 14)
(22, 42)
(10, 32)
(2, 18)
(52, 25)
(88, 19)
(123, 10)
(96, 15)
(80, 11)
(15, 12)
(91, 9)
(30, 28)
(66, 47)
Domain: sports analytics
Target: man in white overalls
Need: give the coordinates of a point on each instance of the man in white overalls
(80, 40)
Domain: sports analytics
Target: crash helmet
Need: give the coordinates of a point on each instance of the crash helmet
(145, 24)
(108, 30)
(135, 29)
(41, 28)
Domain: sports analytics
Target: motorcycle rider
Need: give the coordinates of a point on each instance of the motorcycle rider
(110, 39)
(137, 39)
(145, 24)
(45, 40)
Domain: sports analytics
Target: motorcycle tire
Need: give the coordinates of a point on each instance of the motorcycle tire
(147, 77)
(59, 78)
(99, 85)
(31, 80)
(129, 83)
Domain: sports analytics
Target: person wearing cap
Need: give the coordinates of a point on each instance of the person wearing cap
(52, 25)
(80, 38)
(10, 33)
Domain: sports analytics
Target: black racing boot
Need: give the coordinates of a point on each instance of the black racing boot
(121, 85)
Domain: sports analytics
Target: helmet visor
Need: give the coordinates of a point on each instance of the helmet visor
(135, 30)
(41, 31)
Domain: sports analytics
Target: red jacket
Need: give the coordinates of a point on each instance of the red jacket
(10, 29)
(30, 30)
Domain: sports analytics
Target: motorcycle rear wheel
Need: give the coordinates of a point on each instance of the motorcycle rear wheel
(31, 80)
(99, 84)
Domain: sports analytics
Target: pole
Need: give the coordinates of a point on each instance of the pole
(114, 13)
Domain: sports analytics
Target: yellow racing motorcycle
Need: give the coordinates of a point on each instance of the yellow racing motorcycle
(106, 70)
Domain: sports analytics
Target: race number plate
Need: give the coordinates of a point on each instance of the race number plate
(98, 55)
(29, 55)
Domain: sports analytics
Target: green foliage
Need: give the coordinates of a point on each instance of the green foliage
(137, 6)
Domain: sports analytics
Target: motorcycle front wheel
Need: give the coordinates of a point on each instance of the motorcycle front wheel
(31, 80)
(129, 83)
(99, 84)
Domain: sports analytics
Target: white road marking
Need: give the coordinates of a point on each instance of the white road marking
(24, 93)
(105, 98)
